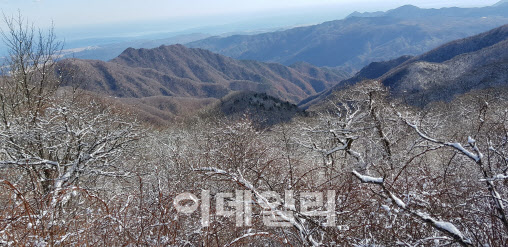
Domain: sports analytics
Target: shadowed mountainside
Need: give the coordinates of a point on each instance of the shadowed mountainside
(476, 62)
(262, 109)
(371, 71)
(455, 68)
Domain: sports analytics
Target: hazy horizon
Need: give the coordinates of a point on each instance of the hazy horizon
(67, 14)
(94, 19)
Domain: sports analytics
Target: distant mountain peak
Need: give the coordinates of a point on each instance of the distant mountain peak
(407, 6)
(502, 2)
(365, 14)
(407, 11)
(402, 10)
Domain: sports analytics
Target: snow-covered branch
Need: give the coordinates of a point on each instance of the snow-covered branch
(368, 179)
(247, 235)
(477, 156)
(305, 234)
(443, 226)
(495, 178)
(457, 146)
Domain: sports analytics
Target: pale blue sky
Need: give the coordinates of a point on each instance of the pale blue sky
(67, 13)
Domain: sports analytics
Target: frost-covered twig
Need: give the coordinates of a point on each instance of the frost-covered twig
(248, 235)
(368, 179)
(495, 178)
(305, 234)
(443, 226)
(423, 241)
(477, 157)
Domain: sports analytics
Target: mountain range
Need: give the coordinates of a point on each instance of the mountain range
(106, 52)
(455, 68)
(171, 81)
(168, 82)
(361, 38)
(179, 71)
(477, 62)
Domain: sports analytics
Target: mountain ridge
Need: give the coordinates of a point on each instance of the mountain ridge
(153, 79)
(455, 68)
(432, 76)
(354, 42)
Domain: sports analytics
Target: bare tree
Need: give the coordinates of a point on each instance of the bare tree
(29, 81)
(53, 141)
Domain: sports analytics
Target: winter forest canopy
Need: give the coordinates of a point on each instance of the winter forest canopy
(358, 168)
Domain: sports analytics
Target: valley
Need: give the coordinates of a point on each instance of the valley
(385, 128)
